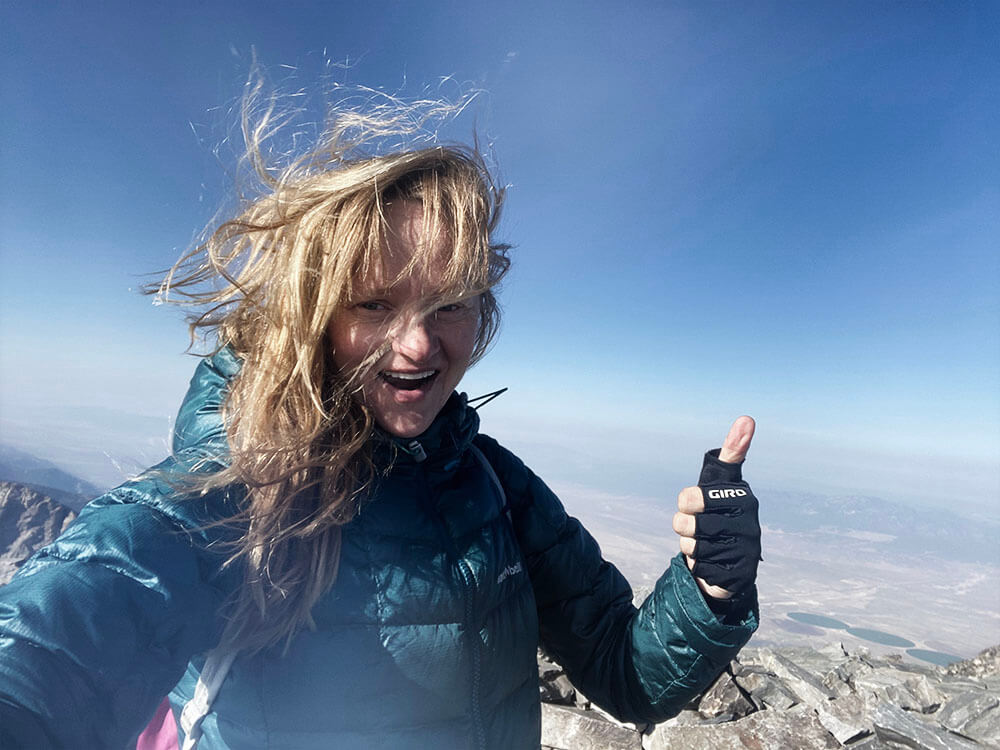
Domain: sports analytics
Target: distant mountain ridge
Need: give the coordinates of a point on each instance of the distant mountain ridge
(898, 527)
(38, 500)
(19, 466)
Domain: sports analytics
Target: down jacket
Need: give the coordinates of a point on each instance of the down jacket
(427, 640)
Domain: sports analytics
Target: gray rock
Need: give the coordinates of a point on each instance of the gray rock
(869, 743)
(932, 673)
(894, 725)
(608, 717)
(859, 652)
(846, 718)
(685, 718)
(985, 727)
(565, 728)
(809, 688)
(817, 661)
(558, 690)
(908, 691)
(928, 697)
(765, 730)
(547, 669)
(962, 709)
(764, 689)
(555, 687)
(851, 670)
(835, 652)
(835, 683)
(724, 698)
(987, 662)
(953, 687)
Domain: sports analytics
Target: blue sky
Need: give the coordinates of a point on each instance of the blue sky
(789, 210)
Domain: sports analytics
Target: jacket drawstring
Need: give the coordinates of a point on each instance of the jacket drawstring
(487, 396)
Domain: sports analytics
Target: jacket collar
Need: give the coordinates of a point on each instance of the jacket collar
(441, 445)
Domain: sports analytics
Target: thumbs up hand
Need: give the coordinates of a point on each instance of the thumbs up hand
(717, 520)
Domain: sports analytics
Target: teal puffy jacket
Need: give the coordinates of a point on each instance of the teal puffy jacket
(427, 640)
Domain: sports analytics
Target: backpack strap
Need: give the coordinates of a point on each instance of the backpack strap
(213, 674)
(481, 457)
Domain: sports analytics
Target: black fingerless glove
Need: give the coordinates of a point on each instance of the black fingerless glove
(727, 532)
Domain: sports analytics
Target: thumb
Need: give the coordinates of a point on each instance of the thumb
(737, 442)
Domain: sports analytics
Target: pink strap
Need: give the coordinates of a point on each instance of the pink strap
(161, 732)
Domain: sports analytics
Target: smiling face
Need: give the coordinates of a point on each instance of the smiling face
(410, 345)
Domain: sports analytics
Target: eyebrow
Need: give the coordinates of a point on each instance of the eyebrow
(387, 291)
(377, 292)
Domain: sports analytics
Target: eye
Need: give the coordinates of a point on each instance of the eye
(371, 306)
(457, 309)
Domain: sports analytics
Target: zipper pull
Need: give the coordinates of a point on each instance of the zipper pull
(415, 449)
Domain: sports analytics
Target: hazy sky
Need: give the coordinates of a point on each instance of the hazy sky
(789, 210)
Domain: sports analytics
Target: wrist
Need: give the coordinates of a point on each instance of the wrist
(731, 611)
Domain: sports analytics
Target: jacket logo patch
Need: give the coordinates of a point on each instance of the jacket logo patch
(509, 571)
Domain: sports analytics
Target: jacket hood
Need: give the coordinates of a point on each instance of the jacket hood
(199, 430)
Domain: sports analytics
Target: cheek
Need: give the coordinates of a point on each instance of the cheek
(334, 340)
(348, 343)
(463, 342)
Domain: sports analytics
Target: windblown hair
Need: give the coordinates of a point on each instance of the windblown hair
(267, 284)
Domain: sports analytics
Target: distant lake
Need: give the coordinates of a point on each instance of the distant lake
(819, 620)
(939, 658)
(877, 636)
(934, 657)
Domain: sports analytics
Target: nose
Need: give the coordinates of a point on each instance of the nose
(414, 337)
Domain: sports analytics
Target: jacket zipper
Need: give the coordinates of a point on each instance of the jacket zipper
(472, 632)
(472, 635)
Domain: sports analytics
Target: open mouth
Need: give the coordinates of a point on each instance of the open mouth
(408, 381)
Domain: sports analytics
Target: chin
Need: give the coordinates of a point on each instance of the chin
(405, 433)
(405, 428)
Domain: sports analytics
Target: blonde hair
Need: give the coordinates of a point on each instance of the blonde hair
(300, 440)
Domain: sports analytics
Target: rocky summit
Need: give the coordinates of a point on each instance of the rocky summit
(772, 698)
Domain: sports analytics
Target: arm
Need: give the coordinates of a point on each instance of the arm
(640, 665)
(97, 627)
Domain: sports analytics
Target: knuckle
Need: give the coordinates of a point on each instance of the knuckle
(718, 592)
(690, 500)
(684, 524)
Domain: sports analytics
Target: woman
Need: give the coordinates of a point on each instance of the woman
(360, 565)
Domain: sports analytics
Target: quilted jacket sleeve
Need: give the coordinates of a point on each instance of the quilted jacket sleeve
(640, 665)
(97, 627)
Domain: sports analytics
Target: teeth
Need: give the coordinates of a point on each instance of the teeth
(409, 375)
